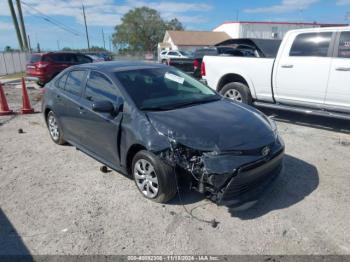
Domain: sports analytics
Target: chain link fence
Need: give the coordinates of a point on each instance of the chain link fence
(12, 62)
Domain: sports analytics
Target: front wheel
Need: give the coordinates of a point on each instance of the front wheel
(238, 92)
(154, 179)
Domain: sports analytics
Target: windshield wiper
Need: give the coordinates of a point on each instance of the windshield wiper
(196, 102)
(155, 108)
(183, 104)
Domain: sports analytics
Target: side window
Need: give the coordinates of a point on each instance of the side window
(74, 82)
(70, 58)
(99, 87)
(61, 82)
(173, 53)
(344, 45)
(311, 44)
(83, 59)
(56, 57)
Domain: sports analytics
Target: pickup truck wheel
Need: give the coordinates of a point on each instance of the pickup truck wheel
(154, 179)
(238, 92)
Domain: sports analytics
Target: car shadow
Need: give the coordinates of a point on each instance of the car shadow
(298, 180)
(325, 123)
(11, 244)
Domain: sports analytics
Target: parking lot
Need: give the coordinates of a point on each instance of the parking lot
(55, 200)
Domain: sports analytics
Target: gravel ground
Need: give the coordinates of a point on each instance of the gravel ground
(54, 200)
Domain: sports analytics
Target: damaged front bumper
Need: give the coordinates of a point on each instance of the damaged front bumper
(229, 178)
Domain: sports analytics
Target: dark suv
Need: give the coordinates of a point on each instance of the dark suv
(46, 66)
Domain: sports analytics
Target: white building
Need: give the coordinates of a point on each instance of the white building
(265, 30)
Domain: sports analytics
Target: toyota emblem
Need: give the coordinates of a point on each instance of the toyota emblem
(265, 151)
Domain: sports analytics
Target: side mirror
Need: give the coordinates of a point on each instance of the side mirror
(103, 107)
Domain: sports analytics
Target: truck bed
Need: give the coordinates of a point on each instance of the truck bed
(256, 71)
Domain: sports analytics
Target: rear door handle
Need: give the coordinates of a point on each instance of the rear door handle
(287, 66)
(344, 69)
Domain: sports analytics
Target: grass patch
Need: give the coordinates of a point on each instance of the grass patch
(13, 76)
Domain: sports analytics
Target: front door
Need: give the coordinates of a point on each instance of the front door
(302, 72)
(100, 130)
(338, 92)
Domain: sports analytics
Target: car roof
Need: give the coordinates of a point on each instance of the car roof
(117, 66)
(320, 29)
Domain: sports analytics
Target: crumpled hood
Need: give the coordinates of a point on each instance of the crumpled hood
(216, 126)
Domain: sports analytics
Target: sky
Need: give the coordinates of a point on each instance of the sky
(194, 14)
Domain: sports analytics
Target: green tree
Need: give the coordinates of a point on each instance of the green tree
(175, 24)
(141, 29)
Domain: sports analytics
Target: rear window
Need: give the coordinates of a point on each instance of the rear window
(63, 58)
(204, 52)
(35, 58)
(344, 45)
(311, 44)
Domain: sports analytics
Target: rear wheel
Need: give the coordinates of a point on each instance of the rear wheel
(154, 179)
(238, 92)
(54, 129)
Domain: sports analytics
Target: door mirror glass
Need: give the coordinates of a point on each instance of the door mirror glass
(103, 107)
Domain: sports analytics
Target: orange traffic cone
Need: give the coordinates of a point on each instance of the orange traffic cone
(4, 108)
(26, 108)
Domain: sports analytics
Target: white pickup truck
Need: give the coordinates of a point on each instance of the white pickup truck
(310, 74)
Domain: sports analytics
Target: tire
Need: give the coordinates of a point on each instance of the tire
(55, 130)
(166, 187)
(238, 92)
(41, 84)
(164, 62)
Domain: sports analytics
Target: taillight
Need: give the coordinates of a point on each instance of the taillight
(41, 65)
(195, 64)
(203, 73)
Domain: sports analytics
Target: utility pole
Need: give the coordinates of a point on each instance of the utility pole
(15, 23)
(86, 30)
(22, 26)
(103, 38)
(110, 43)
(29, 45)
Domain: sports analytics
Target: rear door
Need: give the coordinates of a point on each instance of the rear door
(302, 72)
(100, 130)
(338, 92)
(70, 118)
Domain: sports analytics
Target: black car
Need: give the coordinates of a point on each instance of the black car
(193, 65)
(153, 122)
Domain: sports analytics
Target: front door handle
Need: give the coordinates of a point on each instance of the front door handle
(344, 69)
(287, 66)
(81, 110)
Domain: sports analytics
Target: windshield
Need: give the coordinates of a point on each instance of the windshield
(164, 89)
(184, 53)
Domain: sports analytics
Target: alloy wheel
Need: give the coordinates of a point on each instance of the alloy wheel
(53, 127)
(146, 178)
(234, 95)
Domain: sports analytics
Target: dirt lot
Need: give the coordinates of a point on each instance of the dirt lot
(54, 200)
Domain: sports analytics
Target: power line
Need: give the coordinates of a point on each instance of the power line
(51, 20)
